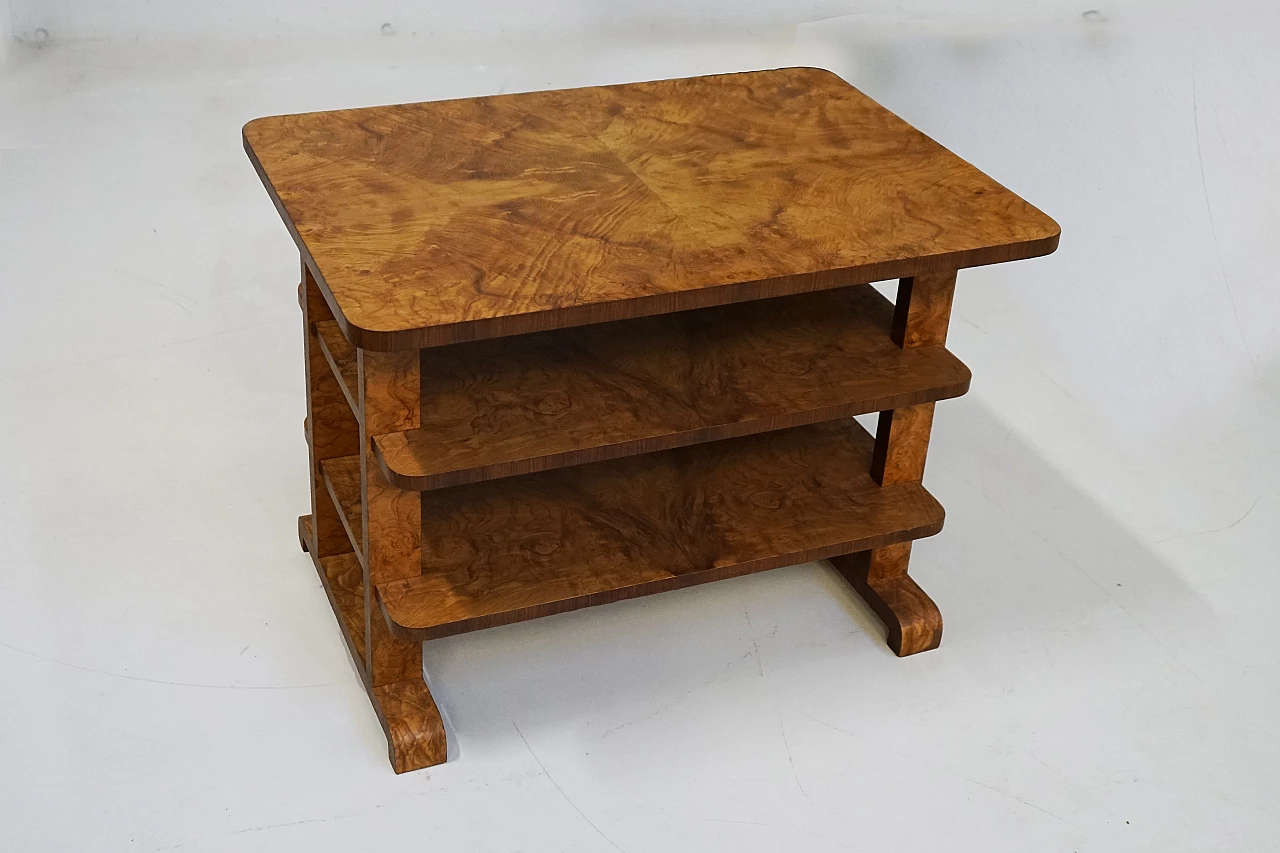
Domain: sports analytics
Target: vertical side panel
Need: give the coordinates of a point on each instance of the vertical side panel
(332, 429)
(389, 395)
(913, 622)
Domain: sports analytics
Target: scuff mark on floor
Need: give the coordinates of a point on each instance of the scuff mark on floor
(161, 680)
(567, 798)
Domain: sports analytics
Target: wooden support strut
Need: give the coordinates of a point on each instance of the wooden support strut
(330, 424)
(913, 622)
(392, 537)
(389, 535)
(332, 433)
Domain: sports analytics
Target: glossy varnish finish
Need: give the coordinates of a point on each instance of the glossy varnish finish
(341, 357)
(330, 424)
(531, 403)
(478, 459)
(342, 482)
(525, 547)
(392, 532)
(343, 581)
(912, 621)
(923, 310)
(346, 392)
(904, 443)
(456, 220)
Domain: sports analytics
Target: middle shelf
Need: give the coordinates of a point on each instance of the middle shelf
(522, 547)
(536, 402)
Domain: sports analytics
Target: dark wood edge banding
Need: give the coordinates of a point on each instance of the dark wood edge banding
(646, 306)
(652, 444)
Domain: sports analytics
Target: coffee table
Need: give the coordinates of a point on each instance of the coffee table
(570, 347)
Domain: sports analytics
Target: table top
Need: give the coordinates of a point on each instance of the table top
(432, 223)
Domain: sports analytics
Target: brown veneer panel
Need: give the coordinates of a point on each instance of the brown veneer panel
(535, 402)
(911, 619)
(330, 424)
(389, 399)
(434, 223)
(341, 357)
(342, 479)
(415, 730)
(343, 581)
(903, 444)
(524, 547)
(923, 310)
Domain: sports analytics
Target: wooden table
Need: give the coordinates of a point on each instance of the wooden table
(565, 348)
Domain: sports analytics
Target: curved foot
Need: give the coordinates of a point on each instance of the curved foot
(415, 731)
(913, 622)
(409, 716)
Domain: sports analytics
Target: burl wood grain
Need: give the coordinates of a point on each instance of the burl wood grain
(439, 222)
(341, 358)
(342, 482)
(392, 517)
(330, 425)
(415, 736)
(388, 391)
(392, 659)
(902, 444)
(380, 528)
(406, 710)
(923, 310)
(343, 580)
(524, 547)
(912, 621)
(530, 403)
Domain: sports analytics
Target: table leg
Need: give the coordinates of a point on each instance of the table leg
(331, 426)
(389, 402)
(913, 622)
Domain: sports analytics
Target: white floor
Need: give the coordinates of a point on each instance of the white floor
(170, 674)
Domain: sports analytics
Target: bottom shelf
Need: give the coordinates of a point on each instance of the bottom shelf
(523, 547)
(343, 580)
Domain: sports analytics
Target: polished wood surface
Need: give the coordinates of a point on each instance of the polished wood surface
(415, 732)
(912, 621)
(923, 310)
(566, 348)
(901, 452)
(390, 390)
(392, 517)
(342, 482)
(524, 547)
(440, 222)
(381, 529)
(408, 713)
(531, 403)
(330, 424)
(388, 399)
(343, 580)
(341, 358)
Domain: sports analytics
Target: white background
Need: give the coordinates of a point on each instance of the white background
(170, 674)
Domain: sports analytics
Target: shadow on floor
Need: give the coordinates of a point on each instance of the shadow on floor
(1030, 574)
